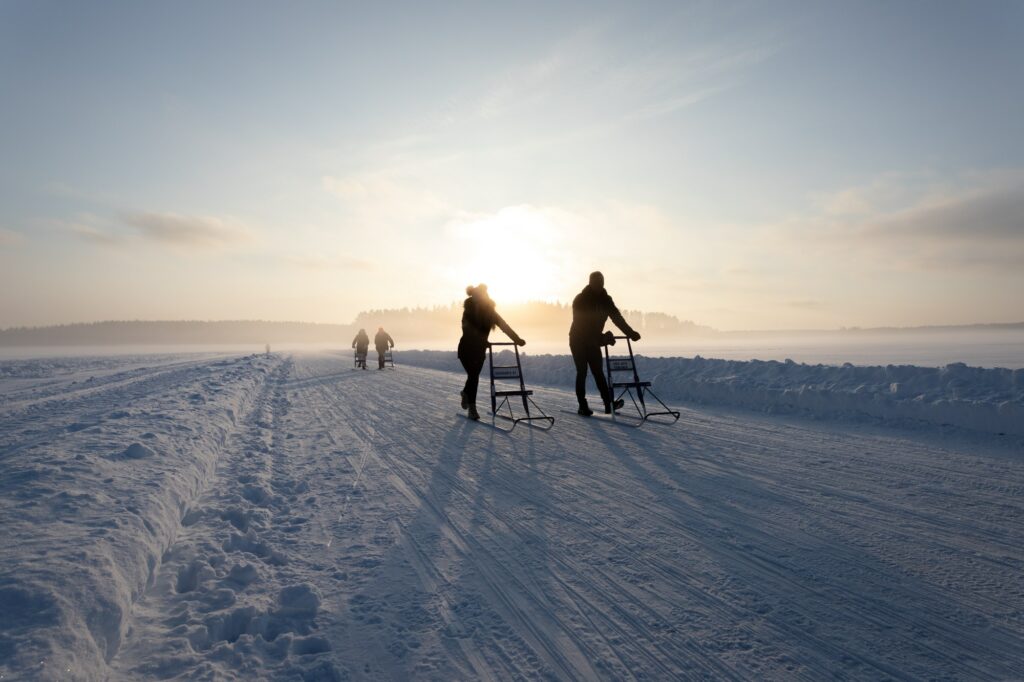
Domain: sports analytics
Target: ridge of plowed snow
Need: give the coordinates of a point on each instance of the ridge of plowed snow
(990, 400)
(356, 527)
(95, 482)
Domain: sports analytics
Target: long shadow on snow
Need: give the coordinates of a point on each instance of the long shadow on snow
(420, 542)
(809, 590)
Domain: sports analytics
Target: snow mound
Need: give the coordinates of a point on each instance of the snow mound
(87, 520)
(980, 399)
(137, 451)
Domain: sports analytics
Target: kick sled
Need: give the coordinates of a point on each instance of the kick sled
(624, 379)
(500, 393)
(358, 360)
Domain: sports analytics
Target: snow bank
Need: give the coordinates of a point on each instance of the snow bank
(94, 485)
(989, 400)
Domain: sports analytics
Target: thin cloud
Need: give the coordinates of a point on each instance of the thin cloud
(96, 236)
(989, 214)
(10, 237)
(807, 304)
(970, 228)
(196, 232)
(332, 263)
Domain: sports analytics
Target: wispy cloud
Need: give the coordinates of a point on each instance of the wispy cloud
(194, 232)
(385, 200)
(95, 235)
(330, 263)
(10, 237)
(589, 81)
(806, 304)
(189, 233)
(974, 223)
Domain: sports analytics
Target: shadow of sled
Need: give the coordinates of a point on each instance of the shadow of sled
(498, 407)
(638, 391)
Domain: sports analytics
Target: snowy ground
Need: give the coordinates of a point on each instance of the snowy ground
(291, 518)
(988, 400)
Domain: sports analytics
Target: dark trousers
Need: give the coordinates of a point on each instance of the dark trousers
(472, 357)
(586, 355)
(380, 357)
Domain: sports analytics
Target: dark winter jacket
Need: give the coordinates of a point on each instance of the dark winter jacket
(590, 310)
(478, 319)
(382, 341)
(361, 342)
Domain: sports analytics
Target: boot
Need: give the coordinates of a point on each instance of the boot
(584, 410)
(618, 406)
(465, 403)
(473, 414)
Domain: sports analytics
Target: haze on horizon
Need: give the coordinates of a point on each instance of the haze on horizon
(743, 165)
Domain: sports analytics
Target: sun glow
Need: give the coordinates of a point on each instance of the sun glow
(519, 252)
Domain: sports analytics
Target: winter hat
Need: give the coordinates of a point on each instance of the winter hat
(597, 279)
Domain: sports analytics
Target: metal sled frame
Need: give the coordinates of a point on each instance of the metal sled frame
(508, 372)
(636, 390)
(389, 361)
(355, 362)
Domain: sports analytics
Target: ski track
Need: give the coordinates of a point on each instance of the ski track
(357, 528)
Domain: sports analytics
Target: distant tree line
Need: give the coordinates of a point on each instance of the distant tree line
(145, 332)
(437, 323)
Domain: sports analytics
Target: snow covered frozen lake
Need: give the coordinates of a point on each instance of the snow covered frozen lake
(218, 516)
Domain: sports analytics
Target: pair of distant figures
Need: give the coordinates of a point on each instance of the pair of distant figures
(590, 310)
(382, 341)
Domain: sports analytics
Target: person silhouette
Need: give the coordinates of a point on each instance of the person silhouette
(479, 317)
(382, 341)
(361, 343)
(590, 310)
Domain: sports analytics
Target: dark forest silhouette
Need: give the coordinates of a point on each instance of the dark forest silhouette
(437, 326)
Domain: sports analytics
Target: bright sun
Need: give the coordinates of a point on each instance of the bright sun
(518, 252)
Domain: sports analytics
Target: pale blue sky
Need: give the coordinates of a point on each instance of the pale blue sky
(745, 165)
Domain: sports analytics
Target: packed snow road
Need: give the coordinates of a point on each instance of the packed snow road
(356, 527)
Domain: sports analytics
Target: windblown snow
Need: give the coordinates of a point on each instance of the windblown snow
(201, 517)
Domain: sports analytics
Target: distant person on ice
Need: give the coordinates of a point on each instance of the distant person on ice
(590, 309)
(361, 343)
(382, 341)
(478, 319)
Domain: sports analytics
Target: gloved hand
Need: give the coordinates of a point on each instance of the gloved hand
(608, 339)
(635, 336)
(520, 342)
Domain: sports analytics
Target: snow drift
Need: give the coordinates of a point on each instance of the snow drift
(96, 477)
(980, 399)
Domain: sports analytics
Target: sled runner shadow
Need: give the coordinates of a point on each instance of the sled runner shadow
(624, 421)
(638, 391)
(501, 407)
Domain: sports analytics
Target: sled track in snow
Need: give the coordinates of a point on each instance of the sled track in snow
(757, 549)
(354, 527)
